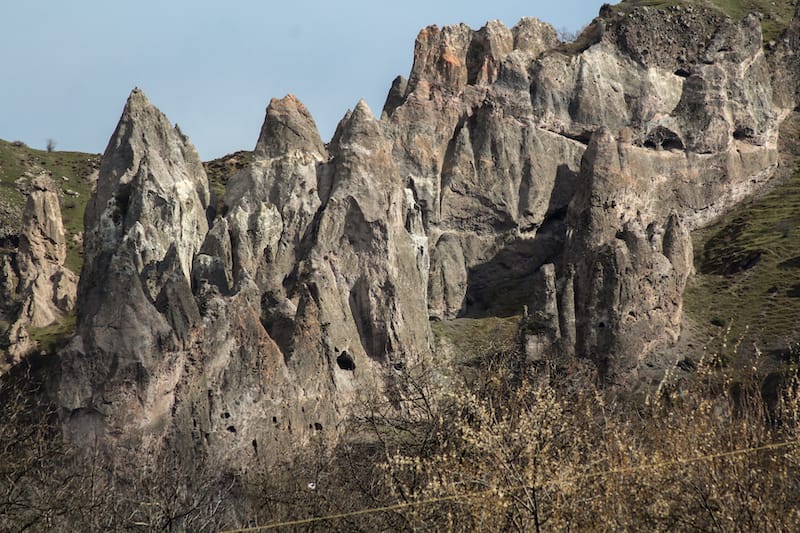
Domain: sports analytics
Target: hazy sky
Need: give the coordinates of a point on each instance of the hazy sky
(212, 66)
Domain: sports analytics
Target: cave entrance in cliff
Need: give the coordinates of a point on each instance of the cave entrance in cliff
(345, 361)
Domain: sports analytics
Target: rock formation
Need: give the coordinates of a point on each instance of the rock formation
(35, 278)
(624, 271)
(509, 171)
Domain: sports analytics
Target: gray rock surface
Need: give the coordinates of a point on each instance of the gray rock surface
(143, 226)
(510, 171)
(785, 53)
(35, 279)
(626, 271)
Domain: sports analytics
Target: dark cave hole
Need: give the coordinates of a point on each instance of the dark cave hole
(9, 242)
(345, 361)
(672, 144)
(317, 426)
(231, 429)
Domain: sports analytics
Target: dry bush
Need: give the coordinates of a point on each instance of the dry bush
(513, 449)
(49, 485)
(554, 455)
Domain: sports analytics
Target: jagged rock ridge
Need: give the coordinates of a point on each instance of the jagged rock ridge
(508, 172)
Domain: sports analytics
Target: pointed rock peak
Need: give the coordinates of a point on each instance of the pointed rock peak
(145, 136)
(288, 126)
(396, 96)
(533, 36)
(138, 103)
(360, 124)
(333, 146)
(494, 40)
(440, 57)
(141, 125)
(362, 111)
(495, 29)
(601, 159)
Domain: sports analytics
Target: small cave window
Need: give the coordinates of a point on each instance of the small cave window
(345, 361)
(231, 429)
(317, 426)
(662, 138)
(682, 72)
(672, 144)
(601, 325)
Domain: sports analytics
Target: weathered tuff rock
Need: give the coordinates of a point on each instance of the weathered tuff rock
(143, 226)
(624, 271)
(786, 52)
(508, 171)
(41, 288)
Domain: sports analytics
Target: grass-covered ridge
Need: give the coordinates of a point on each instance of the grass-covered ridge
(72, 174)
(777, 13)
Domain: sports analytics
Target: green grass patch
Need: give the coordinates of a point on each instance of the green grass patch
(16, 160)
(747, 286)
(777, 13)
(55, 336)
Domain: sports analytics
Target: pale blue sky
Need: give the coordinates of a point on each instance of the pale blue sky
(212, 66)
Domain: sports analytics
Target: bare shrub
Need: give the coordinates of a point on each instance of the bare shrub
(545, 454)
(48, 485)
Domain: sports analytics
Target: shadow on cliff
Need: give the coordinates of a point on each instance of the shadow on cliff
(503, 285)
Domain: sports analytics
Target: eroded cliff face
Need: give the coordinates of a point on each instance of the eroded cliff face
(34, 281)
(510, 172)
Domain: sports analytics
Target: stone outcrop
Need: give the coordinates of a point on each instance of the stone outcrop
(786, 52)
(624, 268)
(35, 280)
(508, 172)
(143, 227)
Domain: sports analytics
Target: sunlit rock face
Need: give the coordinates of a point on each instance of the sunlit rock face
(34, 280)
(510, 174)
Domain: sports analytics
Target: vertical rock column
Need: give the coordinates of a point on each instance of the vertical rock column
(45, 287)
(143, 226)
(625, 275)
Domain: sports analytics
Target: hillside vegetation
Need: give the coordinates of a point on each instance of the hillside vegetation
(747, 283)
(777, 13)
(72, 172)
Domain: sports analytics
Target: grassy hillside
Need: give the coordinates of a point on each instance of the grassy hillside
(777, 13)
(748, 267)
(71, 171)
